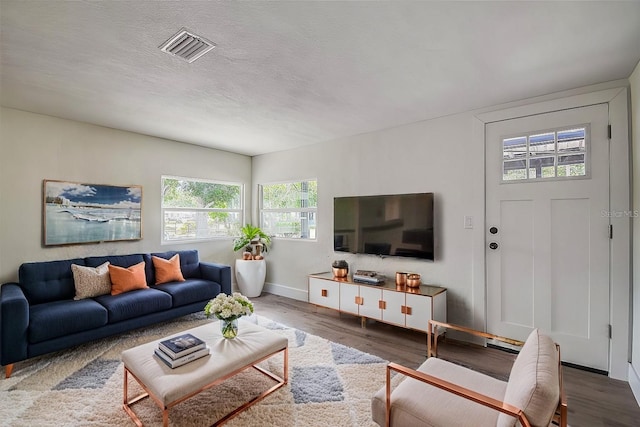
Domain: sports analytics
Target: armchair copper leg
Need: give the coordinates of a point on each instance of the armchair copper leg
(388, 398)
(8, 370)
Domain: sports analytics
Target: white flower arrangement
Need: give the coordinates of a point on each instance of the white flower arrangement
(229, 307)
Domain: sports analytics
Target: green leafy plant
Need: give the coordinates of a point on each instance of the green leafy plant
(251, 235)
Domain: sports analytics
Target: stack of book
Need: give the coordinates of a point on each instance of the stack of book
(182, 349)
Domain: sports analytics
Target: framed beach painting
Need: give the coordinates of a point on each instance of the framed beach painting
(76, 212)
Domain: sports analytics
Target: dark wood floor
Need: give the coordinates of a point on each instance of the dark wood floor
(593, 399)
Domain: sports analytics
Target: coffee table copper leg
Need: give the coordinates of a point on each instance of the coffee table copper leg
(127, 403)
(280, 382)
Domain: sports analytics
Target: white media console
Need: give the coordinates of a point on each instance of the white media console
(397, 305)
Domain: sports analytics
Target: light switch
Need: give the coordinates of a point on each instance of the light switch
(468, 222)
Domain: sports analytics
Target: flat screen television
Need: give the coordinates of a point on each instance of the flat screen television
(387, 225)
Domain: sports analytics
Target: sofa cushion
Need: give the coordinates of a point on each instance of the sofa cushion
(440, 408)
(91, 281)
(534, 383)
(48, 281)
(60, 318)
(127, 279)
(190, 291)
(189, 263)
(167, 270)
(134, 304)
(119, 260)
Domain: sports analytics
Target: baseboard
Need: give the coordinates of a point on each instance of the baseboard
(634, 382)
(286, 291)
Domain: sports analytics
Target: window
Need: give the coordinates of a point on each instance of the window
(546, 155)
(289, 209)
(195, 209)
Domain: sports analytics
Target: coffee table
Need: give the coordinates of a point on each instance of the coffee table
(167, 387)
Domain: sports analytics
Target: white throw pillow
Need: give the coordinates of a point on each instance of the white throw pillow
(91, 282)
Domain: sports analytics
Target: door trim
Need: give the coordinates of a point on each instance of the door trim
(620, 201)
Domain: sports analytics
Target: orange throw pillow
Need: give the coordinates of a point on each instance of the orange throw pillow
(127, 279)
(167, 270)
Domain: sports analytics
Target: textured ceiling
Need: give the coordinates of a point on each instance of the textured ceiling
(288, 74)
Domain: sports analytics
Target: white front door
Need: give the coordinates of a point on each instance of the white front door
(547, 230)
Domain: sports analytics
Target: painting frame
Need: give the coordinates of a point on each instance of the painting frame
(75, 213)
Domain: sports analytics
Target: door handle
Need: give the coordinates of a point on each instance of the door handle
(493, 245)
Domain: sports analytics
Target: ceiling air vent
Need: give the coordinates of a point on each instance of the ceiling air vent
(187, 46)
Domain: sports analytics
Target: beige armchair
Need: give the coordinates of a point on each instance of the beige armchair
(441, 393)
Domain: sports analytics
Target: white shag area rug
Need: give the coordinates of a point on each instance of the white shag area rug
(329, 385)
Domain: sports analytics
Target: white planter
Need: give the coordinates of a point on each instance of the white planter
(250, 276)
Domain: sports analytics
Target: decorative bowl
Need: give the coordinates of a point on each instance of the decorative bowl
(413, 280)
(340, 272)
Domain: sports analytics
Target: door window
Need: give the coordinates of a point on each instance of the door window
(545, 155)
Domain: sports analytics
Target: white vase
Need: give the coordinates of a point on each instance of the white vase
(250, 275)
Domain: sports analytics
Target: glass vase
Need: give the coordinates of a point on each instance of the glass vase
(229, 328)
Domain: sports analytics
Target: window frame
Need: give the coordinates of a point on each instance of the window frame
(556, 154)
(240, 211)
(262, 210)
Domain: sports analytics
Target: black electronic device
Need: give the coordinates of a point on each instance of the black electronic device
(385, 225)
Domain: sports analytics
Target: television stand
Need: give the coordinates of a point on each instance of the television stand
(402, 306)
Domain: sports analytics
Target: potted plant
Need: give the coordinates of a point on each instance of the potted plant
(251, 270)
(252, 239)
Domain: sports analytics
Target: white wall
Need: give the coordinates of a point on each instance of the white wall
(435, 156)
(35, 147)
(634, 368)
(444, 156)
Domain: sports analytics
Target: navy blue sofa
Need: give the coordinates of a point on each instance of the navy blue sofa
(38, 315)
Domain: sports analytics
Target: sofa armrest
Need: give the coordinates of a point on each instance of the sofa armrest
(219, 273)
(432, 336)
(447, 386)
(14, 322)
